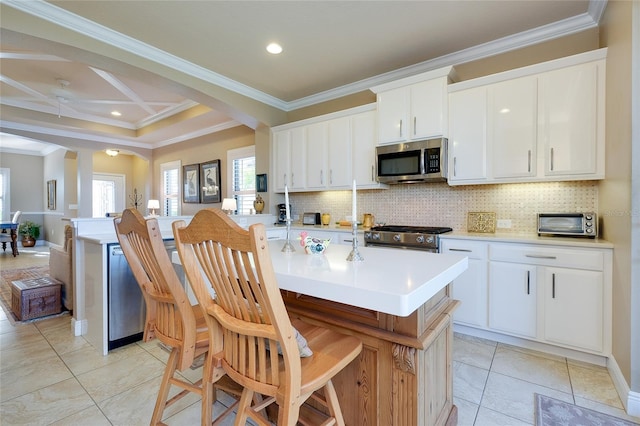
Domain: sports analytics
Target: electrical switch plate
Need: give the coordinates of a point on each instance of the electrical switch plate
(504, 223)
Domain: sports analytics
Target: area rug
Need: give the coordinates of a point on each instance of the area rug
(8, 275)
(553, 412)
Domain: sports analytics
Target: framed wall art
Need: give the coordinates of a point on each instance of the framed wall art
(191, 183)
(210, 182)
(261, 183)
(51, 194)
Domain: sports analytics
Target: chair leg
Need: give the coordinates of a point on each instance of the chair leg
(288, 413)
(333, 405)
(163, 392)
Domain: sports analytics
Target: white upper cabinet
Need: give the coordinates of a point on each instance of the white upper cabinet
(468, 135)
(413, 108)
(327, 152)
(289, 148)
(544, 122)
(569, 119)
(512, 109)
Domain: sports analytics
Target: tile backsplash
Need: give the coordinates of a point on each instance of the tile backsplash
(438, 204)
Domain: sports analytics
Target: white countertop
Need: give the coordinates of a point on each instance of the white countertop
(529, 239)
(389, 280)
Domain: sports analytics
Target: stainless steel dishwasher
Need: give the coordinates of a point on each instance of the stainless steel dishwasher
(125, 302)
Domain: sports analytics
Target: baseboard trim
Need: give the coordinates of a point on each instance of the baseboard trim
(79, 328)
(630, 400)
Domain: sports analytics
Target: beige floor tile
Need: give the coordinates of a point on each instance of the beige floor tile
(514, 397)
(594, 384)
(87, 358)
(135, 405)
(120, 376)
(46, 405)
(488, 417)
(473, 351)
(38, 370)
(469, 381)
(607, 409)
(191, 415)
(89, 416)
(62, 339)
(467, 411)
(532, 367)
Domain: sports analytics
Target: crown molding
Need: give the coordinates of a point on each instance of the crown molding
(58, 16)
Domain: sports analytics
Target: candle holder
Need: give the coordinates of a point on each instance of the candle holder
(288, 247)
(355, 255)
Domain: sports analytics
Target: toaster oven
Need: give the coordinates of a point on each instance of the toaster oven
(568, 224)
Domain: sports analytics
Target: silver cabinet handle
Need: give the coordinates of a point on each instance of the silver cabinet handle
(528, 282)
(400, 127)
(348, 241)
(454, 166)
(415, 130)
(551, 159)
(464, 250)
(373, 178)
(321, 177)
(553, 286)
(529, 161)
(330, 176)
(292, 180)
(539, 256)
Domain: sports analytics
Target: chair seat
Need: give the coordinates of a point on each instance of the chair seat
(332, 351)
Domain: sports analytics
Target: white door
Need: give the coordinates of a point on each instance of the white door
(108, 194)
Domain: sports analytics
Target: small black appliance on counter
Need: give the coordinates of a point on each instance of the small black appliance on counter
(282, 213)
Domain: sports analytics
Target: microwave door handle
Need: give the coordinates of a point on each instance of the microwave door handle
(423, 169)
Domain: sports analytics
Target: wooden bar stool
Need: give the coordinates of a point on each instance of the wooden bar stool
(251, 332)
(170, 317)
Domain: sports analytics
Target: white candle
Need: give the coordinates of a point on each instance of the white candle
(353, 204)
(286, 202)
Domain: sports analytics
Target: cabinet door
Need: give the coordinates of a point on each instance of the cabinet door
(393, 114)
(317, 170)
(339, 149)
(512, 298)
(427, 108)
(282, 152)
(470, 287)
(467, 135)
(513, 127)
(363, 128)
(573, 309)
(568, 117)
(297, 159)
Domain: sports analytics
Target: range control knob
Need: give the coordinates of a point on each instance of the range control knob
(588, 217)
(375, 236)
(396, 237)
(430, 239)
(589, 231)
(420, 239)
(589, 224)
(367, 235)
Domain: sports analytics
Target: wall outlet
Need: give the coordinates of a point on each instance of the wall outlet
(504, 223)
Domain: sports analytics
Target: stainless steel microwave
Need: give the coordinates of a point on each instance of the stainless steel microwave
(412, 162)
(568, 224)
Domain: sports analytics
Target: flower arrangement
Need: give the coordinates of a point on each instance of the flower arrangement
(313, 245)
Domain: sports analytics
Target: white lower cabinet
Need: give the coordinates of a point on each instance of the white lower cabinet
(555, 295)
(513, 299)
(573, 308)
(470, 288)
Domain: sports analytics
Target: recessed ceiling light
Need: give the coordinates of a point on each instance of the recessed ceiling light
(112, 152)
(116, 113)
(274, 48)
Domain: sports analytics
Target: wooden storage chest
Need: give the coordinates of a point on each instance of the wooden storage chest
(35, 298)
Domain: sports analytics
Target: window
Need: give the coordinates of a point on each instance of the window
(108, 194)
(5, 195)
(170, 200)
(241, 176)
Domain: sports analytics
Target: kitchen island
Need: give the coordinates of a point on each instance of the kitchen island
(397, 302)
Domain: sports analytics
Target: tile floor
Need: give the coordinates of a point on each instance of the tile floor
(48, 376)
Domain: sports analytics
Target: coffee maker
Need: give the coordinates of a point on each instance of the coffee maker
(282, 213)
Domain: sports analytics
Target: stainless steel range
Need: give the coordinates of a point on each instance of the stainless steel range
(408, 237)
